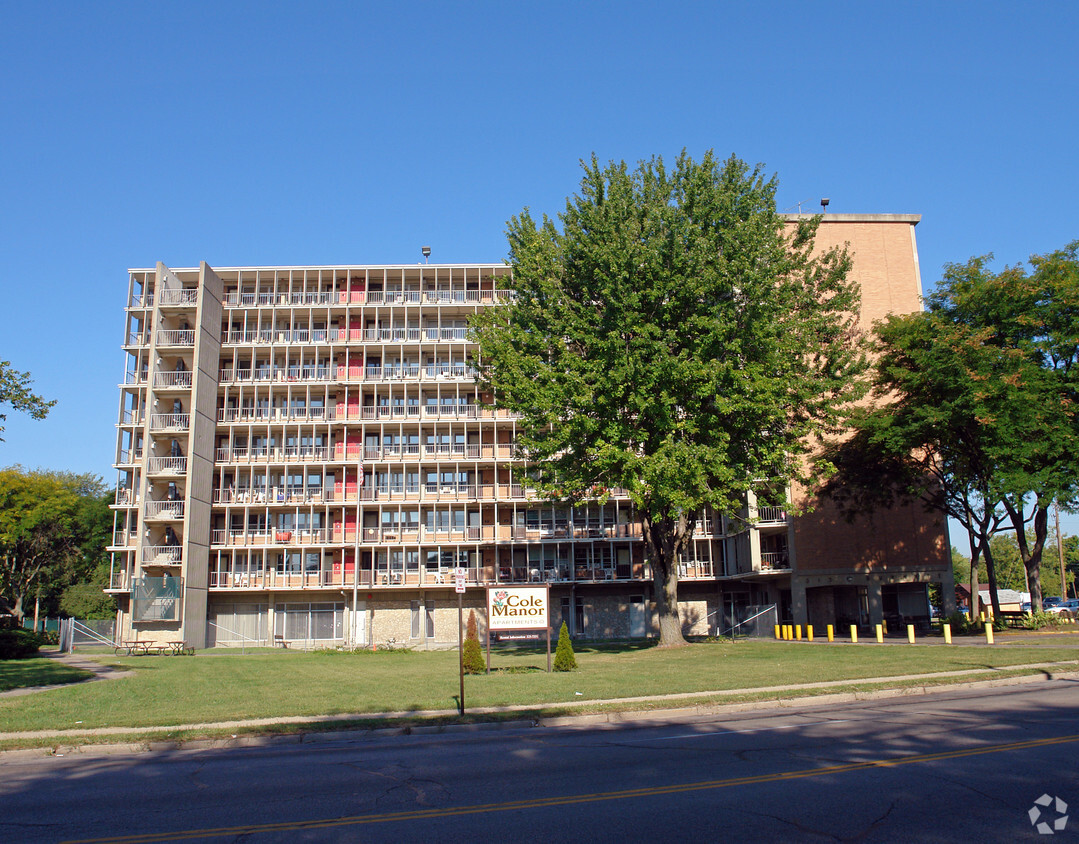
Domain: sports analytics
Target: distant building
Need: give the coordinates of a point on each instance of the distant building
(303, 454)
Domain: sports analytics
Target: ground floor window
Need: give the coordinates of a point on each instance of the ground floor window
(236, 624)
(423, 620)
(300, 622)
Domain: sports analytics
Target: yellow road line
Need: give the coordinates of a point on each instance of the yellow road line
(569, 800)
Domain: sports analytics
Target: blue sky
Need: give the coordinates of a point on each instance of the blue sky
(324, 133)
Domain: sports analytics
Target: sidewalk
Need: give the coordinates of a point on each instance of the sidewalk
(100, 672)
(1049, 671)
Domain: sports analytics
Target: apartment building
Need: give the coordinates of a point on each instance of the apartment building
(304, 456)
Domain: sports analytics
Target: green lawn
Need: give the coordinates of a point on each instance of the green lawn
(215, 686)
(37, 671)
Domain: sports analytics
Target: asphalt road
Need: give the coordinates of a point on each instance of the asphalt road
(965, 765)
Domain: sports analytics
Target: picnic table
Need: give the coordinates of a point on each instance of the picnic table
(138, 647)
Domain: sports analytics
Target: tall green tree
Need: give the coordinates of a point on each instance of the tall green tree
(15, 392)
(670, 337)
(978, 412)
(54, 527)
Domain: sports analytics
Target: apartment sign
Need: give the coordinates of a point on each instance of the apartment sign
(520, 608)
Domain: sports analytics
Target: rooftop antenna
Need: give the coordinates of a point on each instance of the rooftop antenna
(426, 250)
(798, 206)
(824, 205)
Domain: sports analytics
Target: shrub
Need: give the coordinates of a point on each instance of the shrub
(564, 658)
(473, 653)
(15, 644)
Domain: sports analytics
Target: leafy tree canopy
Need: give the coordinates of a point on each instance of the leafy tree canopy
(15, 393)
(671, 336)
(978, 413)
(54, 527)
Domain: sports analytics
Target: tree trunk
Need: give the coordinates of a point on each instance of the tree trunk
(975, 551)
(991, 576)
(1031, 555)
(665, 539)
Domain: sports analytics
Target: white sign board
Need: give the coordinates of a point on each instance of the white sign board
(459, 576)
(517, 608)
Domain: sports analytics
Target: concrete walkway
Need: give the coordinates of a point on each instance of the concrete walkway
(681, 701)
(99, 672)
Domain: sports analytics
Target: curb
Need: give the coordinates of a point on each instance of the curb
(588, 721)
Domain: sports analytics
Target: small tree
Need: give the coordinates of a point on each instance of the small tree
(564, 659)
(473, 653)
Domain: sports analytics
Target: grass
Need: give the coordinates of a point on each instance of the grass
(37, 671)
(229, 686)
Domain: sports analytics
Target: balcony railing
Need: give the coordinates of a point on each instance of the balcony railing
(135, 377)
(164, 509)
(185, 296)
(167, 465)
(175, 337)
(282, 374)
(773, 560)
(236, 299)
(278, 414)
(286, 454)
(170, 421)
(179, 380)
(162, 555)
(771, 514)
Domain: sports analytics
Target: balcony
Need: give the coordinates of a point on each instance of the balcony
(161, 555)
(120, 581)
(175, 337)
(266, 299)
(167, 465)
(289, 336)
(172, 380)
(156, 598)
(771, 515)
(281, 374)
(170, 421)
(167, 510)
(275, 414)
(186, 297)
(775, 561)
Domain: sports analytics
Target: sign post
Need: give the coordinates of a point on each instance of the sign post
(459, 575)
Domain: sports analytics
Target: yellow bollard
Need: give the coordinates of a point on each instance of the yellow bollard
(947, 633)
(798, 632)
(880, 633)
(854, 633)
(988, 634)
(910, 633)
(983, 616)
(831, 633)
(884, 624)
(777, 632)
(809, 632)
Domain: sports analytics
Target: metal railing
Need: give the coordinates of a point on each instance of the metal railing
(167, 465)
(162, 555)
(164, 509)
(170, 421)
(181, 380)
(185, 296)
(175, 337)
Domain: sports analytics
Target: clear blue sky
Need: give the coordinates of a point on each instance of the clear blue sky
(325, 133)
